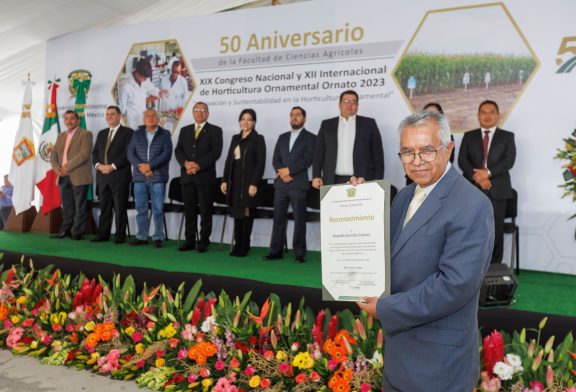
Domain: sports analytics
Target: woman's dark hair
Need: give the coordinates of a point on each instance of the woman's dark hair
(251, 112)
(434, 105)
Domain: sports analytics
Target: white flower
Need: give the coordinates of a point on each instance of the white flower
(503, 371)
(377, 361)
(514, 361)
(208, 324)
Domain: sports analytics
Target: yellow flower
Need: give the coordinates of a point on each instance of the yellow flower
(139, 348)
(160, 362)
(281, 355)
(207, 382)
(303, 361)
(254, 381)
(34, 344)
(89, 326)
(15, 319)
(21, 300)
(93, 358)
(129, 331)
(168, 332)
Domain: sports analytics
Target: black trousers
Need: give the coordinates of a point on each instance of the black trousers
(74, 206)
(113, 203)
(282, 198)
(198, 200)
(242, 234)
(499, 207)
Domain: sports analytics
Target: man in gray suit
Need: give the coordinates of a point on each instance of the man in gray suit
(442, 233)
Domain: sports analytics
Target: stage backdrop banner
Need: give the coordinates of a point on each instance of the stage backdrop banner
(396, 55)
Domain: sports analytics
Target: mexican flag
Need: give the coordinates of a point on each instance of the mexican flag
(23, 157)
(45, 178)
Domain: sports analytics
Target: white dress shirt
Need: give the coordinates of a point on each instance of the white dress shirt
(345, 153)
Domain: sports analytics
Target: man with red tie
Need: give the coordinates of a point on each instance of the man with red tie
(486, 156)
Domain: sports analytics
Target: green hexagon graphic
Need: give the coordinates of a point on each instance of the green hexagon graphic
(459, 57)
(154, 75)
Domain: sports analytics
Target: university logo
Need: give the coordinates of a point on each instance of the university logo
(351, 192)
(568, 45)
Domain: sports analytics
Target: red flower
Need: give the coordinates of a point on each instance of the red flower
(300, 378)
(492, 351)
(318, 328)
(332, 327)
(88, 295)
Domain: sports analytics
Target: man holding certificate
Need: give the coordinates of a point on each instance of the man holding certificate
(442, 232)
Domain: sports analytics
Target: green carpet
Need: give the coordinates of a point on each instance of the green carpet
(537, 291)
(168, 258)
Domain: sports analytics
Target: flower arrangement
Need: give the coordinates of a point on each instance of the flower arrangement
(569, 154)
(175, 340)
(518, 364)
(190, 341)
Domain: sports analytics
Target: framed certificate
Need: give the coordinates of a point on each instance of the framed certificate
(355, 240)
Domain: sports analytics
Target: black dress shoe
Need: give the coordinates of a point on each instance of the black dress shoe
(233, 252)
(187, 246)
(299, 259)
(138, 242)
(202, 248)
(78, 237)
(272, 257)
(120, 240)
(62, 234)
(157, 243)
(99, 239)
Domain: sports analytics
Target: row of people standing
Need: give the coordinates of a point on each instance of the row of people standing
(346, 145)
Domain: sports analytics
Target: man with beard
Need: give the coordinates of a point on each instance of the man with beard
(292, 157)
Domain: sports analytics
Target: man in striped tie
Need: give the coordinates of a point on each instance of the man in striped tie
(442, 231)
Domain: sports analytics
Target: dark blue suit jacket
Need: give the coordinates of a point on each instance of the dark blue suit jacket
(297, 160)
(438, 261)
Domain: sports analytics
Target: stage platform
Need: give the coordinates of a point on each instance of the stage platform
(538, 294)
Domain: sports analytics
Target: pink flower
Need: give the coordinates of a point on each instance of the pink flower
(219, 365)
(136, 337)
(295, 346)
(536, 386)
(192, 378)
(46, 339)
(14, 337)
(491, 385)
(182, 354)
(8, 324)
(332, 364)
(284, 367)
(188, 332)
(269, 355)
(250, 371)
(70, 328)
(315, 376)
(109, 362)
(140, 364)
(160, 353)
(365, 388)
(174, 342)
(204, 372)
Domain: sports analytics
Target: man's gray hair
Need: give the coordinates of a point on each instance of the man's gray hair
(423, 117)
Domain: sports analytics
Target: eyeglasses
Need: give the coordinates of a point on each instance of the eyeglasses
(426, 155)
(199, 110)
(349, 101)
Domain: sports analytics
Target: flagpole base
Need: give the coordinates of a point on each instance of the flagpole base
(22, 222)
(49, 223)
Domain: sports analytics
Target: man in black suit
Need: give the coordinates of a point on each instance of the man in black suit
(348, 145)
(486, 156)
(199, 147)
(113, 175)
(292, 158)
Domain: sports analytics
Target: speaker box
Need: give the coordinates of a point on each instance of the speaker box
(498, 286)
